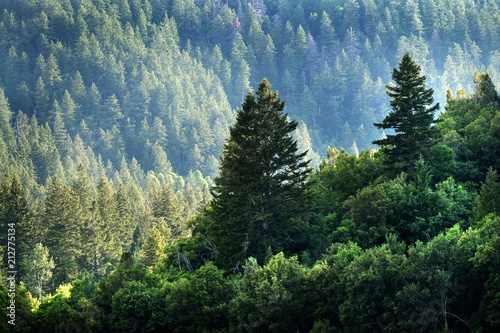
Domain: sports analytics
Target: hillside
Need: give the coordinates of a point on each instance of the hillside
(176, 68)
(249, 166)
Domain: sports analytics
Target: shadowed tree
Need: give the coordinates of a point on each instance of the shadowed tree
(259, 195)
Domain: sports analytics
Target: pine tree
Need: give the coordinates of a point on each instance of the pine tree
(103, 232)
(59, 131)
(39, 268)
(69, 110)
(14, 219)
(41, 100)
(489, 201)
(60, 230)
(411, 118)
(165, 206)
(6, 132)
(52, 75)
(82, 194)
(152, 250)
(326, 33)
(485, 92)
(125, 212)
(77, 88)
(261, 187)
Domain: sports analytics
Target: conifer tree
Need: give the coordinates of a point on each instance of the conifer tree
(326, 33)
(166, 207)
(41, 100)
(82, 194)
(152, 250)
(60, 230)
(108, 228)
(485, 92)
(14, 218)
(77, 88)
(411, 118)
(39, 266)
(6, 132)
(125, 212)
(489, 201)
(261, 186)
(69, 110)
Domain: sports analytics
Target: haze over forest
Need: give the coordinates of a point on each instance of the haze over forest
(141, 203)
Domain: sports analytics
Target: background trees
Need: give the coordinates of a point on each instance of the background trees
(328, 60)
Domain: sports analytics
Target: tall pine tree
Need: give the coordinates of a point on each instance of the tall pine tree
(14, 221)
(60, 230)
(411, 118)
(259, 194)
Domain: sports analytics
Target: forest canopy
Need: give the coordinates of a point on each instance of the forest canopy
(151, 180)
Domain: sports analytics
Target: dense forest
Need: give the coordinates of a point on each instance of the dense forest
(161, 165)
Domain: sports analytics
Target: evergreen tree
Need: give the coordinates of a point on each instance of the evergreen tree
(82, 197)
(41, 100)
(411, 118)
(59, 132)
(165, 204)
(77, 88)
(152, 250)
(39, 268)
(103, 232)
(326, 33)
(69, 110)
(489, 201)
(125, 211)
(60, 230)
(14, 220)
(261, 186)
(485, 92)
(6, 132)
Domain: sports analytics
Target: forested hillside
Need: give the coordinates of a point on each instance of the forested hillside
(143, 188)
(169, 72)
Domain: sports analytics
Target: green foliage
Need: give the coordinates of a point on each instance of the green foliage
(489, 200)
(14, 216)
(58, 231)
(469, 127)
(152, 250)
(55, 315)
(39, 268)
(82, 289)
(119, 98)
(166, 206)
(346, 173)
(368, 210)
(421, 212)
(136, 307)
(368, 280)
(208, 291)
(270, 297)
(485, 93)
(411, 118)
(261, 182)
(108, 286)
(26, 305)
(190, 253)
(488, 257)
(412, 209)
